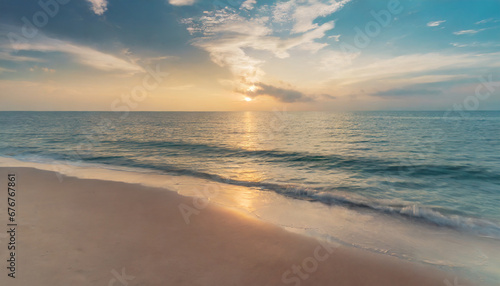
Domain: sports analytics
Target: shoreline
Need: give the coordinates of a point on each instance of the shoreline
(87, 231)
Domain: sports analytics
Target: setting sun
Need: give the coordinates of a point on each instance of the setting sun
(248, 99)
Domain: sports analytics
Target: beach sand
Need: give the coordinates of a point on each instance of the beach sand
(92, 232)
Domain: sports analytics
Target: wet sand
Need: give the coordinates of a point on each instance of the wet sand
(93, 232)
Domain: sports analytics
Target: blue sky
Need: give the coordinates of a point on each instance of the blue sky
(249, 54)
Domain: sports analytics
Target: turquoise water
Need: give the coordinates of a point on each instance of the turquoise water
(448, 165)
(430, 168)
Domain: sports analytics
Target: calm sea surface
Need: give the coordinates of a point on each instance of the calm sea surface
(424, 167)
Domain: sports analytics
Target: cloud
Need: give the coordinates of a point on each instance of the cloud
(304, 12)
(48, 70)
(6, 70)
(44, 69)
(476, 45)
(409, 66)
(248, 4)
(282, 94)
(228, 36)
(7, 56)
(490, 20)
(226, 42)
(458, 45)
(335, 37)
(435, 23)
(98, 6)
(227, 47)
(81, 54)
(334, 61)
(468, 32)
(181, 2)
(407, 92)
(325, 96)
(434, 69)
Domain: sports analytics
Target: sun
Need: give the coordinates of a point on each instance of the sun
(248, 99)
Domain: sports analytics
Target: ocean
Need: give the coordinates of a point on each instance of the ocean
(422, 186)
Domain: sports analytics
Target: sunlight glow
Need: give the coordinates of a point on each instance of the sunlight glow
(248, 99)
(252, 88)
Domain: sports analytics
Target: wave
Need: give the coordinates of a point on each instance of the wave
(331, 197)
(384, 167)
(423, 214)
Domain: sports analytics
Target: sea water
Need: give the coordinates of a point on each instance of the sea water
(423, 186)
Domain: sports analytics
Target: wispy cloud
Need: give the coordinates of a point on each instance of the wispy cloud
(335, 60)
(81, 54)
(490, 20)
(475, 45)
(8, 56)
(43, 69)
(303, 13)
(435, 23)
(411, 70)
(408, 66)
(468, 32)
(6, 70)
(181, 2)
(98, 6)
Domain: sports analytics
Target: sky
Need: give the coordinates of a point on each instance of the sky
(224, 55)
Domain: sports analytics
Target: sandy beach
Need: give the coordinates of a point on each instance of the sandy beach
(91, 232)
